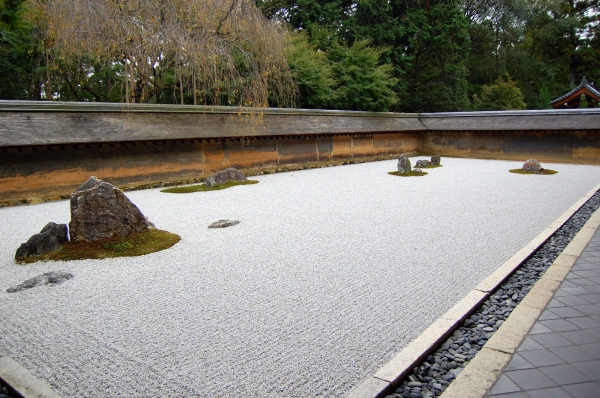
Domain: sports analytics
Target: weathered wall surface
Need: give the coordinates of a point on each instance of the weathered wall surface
(42, 171)
(562, 146)
(49, 148)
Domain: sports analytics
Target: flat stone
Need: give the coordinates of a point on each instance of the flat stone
(49, 278)
(224, 223)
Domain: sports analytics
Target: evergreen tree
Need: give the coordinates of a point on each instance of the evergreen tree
(544, 102)
(311, 71)
(16, 48)
(362, 83)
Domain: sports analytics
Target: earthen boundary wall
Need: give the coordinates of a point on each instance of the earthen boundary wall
(48, 148)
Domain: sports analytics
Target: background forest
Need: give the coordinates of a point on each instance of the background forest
(379, 55)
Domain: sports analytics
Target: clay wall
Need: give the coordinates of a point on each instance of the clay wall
(48, 149)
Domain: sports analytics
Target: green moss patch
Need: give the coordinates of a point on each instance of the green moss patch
(545, 172)
(204, 188)
(136, 244)
(411, 174)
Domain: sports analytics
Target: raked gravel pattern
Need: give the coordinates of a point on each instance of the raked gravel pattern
(330, 273)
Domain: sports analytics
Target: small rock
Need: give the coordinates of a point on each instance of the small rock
(49, 278)
(456, 371)
(37, 245)
(224, 223)
(435, 160)
(417, 170)
(58, 230)
(423, 163)
(210, 182)
(230, 174)
(404, 166)
(532, 165)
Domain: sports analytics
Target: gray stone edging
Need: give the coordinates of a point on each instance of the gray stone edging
(23, 382)
(483, 370)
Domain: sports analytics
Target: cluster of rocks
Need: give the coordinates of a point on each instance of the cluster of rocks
(404, 166)
(532, 166)
(50, 238)
(433, 376)
(223, 176)
(98, 211)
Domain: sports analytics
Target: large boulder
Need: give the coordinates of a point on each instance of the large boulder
(404, 166)
(37, 245)
(435, 160)
(49, 278)
(221, 177)
(532, 166)
(100, 211)
(423, 163)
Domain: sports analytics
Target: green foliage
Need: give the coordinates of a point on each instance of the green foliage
(311, 71)
(544, 102)
(434, 44)
(119, 246)
(361, 83)
(503, 95)
(583, 103)
(16, 50)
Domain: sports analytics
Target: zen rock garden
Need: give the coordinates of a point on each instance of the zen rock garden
(405, 168)
(99, 212)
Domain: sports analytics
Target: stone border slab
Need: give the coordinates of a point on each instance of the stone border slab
(23, 382)
(488, 363)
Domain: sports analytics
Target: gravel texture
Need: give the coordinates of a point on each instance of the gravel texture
(432, 377)
(330, 273)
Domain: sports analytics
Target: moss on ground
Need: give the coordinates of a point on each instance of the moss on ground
(411, 174)
(136, 244)
(545, 172)
(204, 188)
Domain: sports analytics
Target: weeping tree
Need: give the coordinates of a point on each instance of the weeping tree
(217, 52)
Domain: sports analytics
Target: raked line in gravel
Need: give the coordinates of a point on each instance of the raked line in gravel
(330, 273)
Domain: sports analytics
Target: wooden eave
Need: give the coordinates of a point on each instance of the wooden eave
(575, 97)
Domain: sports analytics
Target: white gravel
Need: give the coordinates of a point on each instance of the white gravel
(330, 273)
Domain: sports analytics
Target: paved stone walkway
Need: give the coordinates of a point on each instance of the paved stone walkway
(560, 356)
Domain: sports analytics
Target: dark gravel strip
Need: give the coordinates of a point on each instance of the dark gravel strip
(5, 392)
(433, 376)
